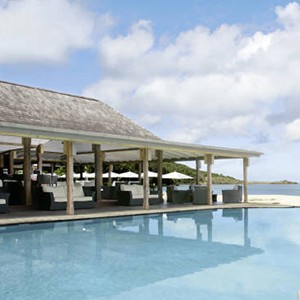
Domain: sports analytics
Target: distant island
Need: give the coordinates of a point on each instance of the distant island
(171, 167)
(216, 178)
(273, 182)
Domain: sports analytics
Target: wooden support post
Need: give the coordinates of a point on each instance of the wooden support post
(209, 160)
(145, 154)
(1, 161)
(98, 171)
(69, 177)
(198, 166)
(110, 169)
(27, 170)
(39, 156)
(159, 154)
(52, 168)
(12, 155)
(140, 172)
(245, 167)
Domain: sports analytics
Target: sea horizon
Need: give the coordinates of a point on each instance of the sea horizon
(259, 189)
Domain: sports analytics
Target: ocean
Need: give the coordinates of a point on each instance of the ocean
(260, 189)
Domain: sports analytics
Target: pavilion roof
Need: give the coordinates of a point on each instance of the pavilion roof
(38, 107)
(50, 117)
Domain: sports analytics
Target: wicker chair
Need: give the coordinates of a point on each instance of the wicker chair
(199, 195)
(177, 196)
(234, 195)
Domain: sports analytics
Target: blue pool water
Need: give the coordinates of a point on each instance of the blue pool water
(219, 254)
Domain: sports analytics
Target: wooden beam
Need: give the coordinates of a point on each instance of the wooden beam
(52, 168)
(69, 177)
(209, 161)
(110, 169)
(145, 154)
(39, 157)
(121, 150)
(159, 155)
(12, 156)
(14, 144)
(245, 171)
(109, 151)
(27, 170)
(98, 171)
(198, 166)
(1, 161)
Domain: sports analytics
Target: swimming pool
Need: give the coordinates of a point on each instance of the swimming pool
(212, 254)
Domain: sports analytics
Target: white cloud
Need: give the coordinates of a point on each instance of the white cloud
(289, 16)
(293, 130)
(118, 51)
(105, 22)
(205, 83)
(42, 31)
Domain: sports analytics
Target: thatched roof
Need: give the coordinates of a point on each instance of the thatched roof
(38, 107)
(51, 116)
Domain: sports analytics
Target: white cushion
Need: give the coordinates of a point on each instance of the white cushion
(58, 191)
(2, 201)
(1, 183)
(136, 190)
(124, 187)
(60, 199)
(78, 190)
(86, 198)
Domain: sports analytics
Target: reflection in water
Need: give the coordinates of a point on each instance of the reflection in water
(99, 258)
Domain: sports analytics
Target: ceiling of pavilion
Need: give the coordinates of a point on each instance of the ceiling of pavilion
(83, 152)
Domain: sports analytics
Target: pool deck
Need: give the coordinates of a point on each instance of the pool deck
(25, 215)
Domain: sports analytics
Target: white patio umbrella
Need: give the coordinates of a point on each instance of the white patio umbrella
(150, 174)
(176, 175)
(87, 175)
(112, 175)
(76, 175)
(128, 175)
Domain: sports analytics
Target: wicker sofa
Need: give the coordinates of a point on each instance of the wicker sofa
(133, 195)
(4, 197)
(55, 197)
(3, 201)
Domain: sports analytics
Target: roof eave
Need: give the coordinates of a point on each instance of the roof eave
(23, 130)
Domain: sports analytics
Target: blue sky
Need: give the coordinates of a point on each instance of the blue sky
(223, 73)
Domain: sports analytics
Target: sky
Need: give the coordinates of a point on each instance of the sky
(212, 72)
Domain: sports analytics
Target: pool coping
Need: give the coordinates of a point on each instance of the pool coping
(105, 212)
